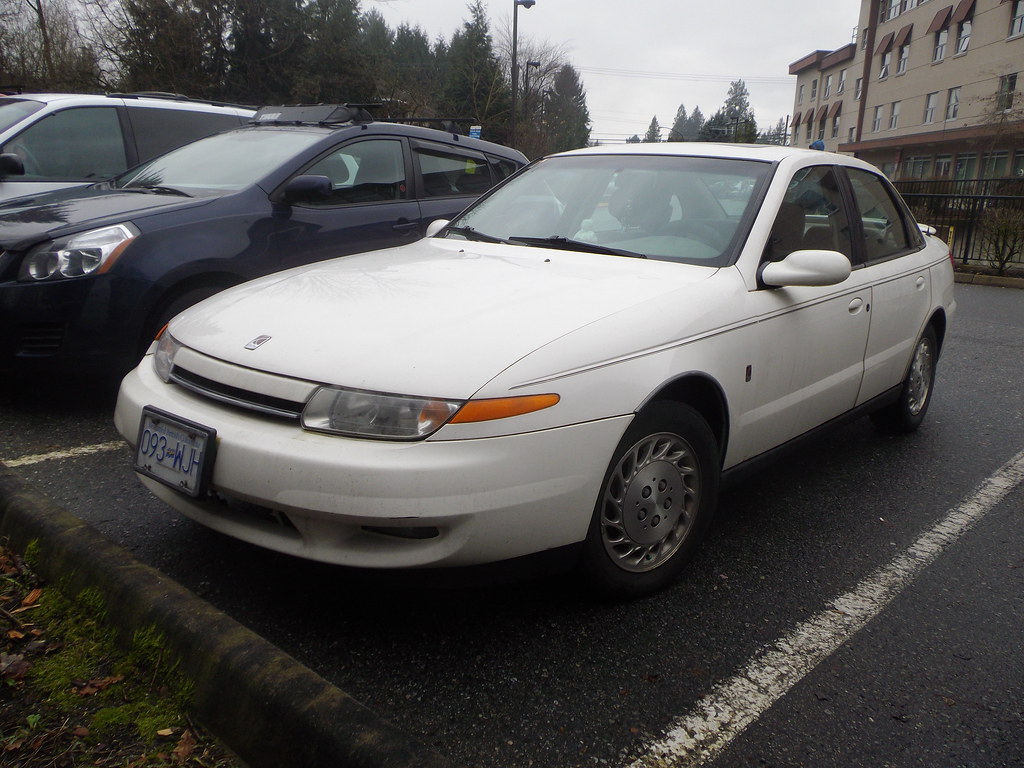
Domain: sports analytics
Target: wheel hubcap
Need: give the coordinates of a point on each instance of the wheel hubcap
(649, 502)
(921, 374)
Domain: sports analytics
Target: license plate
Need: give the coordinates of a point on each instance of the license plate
(176, 452)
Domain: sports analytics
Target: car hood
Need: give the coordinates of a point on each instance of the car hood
(436, 318)
(27, 220)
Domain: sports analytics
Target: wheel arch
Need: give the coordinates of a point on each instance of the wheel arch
(702, 393)
(938, 323)
(198, 283)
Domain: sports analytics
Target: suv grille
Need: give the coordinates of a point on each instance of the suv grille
(40, 339)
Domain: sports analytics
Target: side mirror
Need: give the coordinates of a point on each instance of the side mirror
(436, 226)
(807, 268)
(11, 165)
(306, 188)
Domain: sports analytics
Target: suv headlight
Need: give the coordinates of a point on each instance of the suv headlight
(77, 255)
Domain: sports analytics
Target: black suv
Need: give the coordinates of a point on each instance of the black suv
(88, 275)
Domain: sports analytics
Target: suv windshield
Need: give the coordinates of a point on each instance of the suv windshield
(687, 209)
(226, 162)
(13, 110)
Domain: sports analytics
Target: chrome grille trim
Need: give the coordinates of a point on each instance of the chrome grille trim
(246, 400)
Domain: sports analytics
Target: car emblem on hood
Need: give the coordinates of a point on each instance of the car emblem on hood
(258, 342)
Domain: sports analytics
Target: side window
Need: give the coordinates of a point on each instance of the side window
(811, 217)
(448, 173)
(370, 171)
(161, 130)
(500, 168)
(79, 144)
(886, 233)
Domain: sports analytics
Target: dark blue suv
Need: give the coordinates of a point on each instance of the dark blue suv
(88, 275)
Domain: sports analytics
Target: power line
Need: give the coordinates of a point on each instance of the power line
(685, 76)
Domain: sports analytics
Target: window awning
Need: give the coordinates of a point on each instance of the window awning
(886, 45)
(822, 111)
(962, 11)
(809, 116)
(904, 35)
(941, 20)
(797, 118)
(836, 108)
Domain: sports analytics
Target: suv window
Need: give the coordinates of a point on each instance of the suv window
(363, 172)
(500, 168)
(451, 173)
(886, 232)
(13, 110)
(161, 130)
(78, 143)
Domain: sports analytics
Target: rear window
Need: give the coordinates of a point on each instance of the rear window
(161, 130)
(13, 110)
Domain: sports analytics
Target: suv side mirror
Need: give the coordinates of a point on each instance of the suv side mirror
(11, 165)
(807, 268)
(306, 188)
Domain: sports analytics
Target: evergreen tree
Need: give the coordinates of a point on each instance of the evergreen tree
(678, 130)
(566, 119)
(653, 132)
(475, 85)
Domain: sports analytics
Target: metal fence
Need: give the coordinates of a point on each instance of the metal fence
(959, 209)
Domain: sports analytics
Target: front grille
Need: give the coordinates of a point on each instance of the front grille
(40, 339)
(236, 396)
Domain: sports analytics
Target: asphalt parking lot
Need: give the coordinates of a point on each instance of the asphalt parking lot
(858, 604)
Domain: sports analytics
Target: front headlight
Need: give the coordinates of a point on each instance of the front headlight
(77, 255)
(372, 414)
(398, 417)
(163, 359)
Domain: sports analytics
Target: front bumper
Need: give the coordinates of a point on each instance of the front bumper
(315, 496)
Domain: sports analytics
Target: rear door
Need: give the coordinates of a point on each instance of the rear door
(448, 178)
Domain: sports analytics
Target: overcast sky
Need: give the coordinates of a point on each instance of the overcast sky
(643, 58)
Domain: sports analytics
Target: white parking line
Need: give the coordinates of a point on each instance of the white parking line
(70, 453)
(720, 717)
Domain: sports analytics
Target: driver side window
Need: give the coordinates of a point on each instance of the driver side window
(812, 216)
(370, 171)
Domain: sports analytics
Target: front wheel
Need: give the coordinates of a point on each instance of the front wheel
(655, 503)
(907, 413)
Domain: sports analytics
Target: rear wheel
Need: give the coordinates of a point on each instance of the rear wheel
(907, 413)
(656, 501)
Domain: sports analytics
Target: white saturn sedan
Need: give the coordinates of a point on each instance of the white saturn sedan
(575, 361)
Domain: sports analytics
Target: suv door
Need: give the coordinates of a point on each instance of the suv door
(448, 178)
(74, 145)
(369, 206)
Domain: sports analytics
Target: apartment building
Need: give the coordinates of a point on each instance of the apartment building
(926, 90)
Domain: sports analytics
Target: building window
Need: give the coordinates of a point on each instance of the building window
(827, 90)
(842, 82)
(807, 132)
(814, 89)
(800, 95)
(876, 124)
(953, 103)
(966, 167)
(1007, 88)
(1017, 22)
(941, 38)
(859, 88)
(853, 135)
(901, 65)
(943, 165)
(963, 37)
(835, 126)
(995, 164)
(796, 134)
(821, 128)
(1018, 164)
(883, 71)
(910, 4)
(894, 115)
(931, 102)
(917, 168)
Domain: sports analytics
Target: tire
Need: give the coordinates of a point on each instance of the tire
(634, 547)
(907, 413)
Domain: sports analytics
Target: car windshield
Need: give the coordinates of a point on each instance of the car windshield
(687, 209)
(13, 110)
(226, 162)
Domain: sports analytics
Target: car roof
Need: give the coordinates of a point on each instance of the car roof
(147, 98)
(771, 153)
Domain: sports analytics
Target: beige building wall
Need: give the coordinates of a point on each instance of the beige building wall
(895, 56)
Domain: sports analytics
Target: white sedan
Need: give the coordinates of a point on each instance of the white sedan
(575, 361)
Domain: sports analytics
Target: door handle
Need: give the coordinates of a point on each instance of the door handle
(920, 281)
(404, 225)
(855, 305)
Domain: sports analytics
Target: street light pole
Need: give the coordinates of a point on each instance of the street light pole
(515, 64)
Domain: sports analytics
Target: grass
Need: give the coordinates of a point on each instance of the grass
(71, 696)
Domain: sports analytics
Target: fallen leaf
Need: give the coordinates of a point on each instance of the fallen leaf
(81, 732)
(165, 732)
(13, 634)
(31, 597)
(95, 686)
(186, 746)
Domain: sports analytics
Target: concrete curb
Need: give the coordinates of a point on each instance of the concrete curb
(266, 706)
(977, 278)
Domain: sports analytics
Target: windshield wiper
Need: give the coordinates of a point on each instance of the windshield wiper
(157, 188)
(567, 244)
(471, 234)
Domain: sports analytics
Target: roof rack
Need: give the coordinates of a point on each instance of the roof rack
(166, 95)
(447, 124)
(313, 114)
